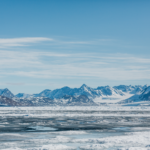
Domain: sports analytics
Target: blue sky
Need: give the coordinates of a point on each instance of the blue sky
(50, 44)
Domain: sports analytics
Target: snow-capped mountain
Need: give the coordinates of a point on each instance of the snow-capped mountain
(137, 89)
(76, 101)
(83, 90)
(144, 95)
(91, 93)
(23, 95)
(44, 93)
(5, 92)
(84, 95)
(59, 93)
(109, 91)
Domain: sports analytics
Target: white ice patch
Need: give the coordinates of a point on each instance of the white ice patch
(70, 132)
(60, 139)
(132, 141)
(71, 108)
(56, 147)
(41, 128)
(12, 149)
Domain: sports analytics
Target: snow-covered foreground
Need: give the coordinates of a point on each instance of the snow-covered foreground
(75, 128)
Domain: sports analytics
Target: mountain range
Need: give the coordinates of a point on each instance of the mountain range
(139, 97)
(84, 95)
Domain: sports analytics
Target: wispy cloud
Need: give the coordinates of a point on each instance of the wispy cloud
(22, 41)
(57, 42)
(90, 73)
(60, 65)
(13, 83)
(84, 42)
(21, 59)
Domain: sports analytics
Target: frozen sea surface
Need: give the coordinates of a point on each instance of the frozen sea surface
(75, 128)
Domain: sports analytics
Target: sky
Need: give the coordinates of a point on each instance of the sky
(49, 44)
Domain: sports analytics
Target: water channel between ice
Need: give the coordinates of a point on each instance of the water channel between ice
(75, 128)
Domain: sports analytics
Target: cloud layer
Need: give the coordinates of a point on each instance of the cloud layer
(22, 41)
(51, 64)
(78, 65)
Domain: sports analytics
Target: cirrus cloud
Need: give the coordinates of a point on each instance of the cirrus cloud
(5, 42)
(60, 65)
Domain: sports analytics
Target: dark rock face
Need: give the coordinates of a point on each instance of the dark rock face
(80, 100)
(41, 101)
(91, 93)
(36, 101)
(130, 89)
(59, 93)
(146, 94)
(106, 90)
(74, 96)
(5, 101)
(146, 97)
(123, 88)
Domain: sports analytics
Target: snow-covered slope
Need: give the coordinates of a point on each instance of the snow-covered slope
(109, 91)
(59, 93)
(146, 94)
(91, 93)
(82, 95)
(137, 89)
(140, 96)
(81, 100)
(23, 95)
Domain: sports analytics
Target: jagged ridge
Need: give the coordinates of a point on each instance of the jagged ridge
(74, 96)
